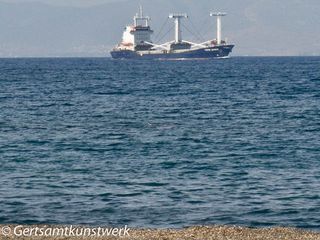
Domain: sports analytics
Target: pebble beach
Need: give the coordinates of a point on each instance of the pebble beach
(198, 233)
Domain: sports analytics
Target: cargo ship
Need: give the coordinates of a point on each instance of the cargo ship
(137, 44)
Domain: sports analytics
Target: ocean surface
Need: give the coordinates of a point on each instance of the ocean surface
(161, 143)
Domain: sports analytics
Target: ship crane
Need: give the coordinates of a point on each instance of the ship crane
(178, 33)
(177, 18)
(164, 46)
(219, 15)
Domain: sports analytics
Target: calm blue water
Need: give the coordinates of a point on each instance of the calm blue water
(160, 144)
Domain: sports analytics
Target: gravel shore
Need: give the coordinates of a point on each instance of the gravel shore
(196, 233)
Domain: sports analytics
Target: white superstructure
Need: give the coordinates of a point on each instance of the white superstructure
(136, 35)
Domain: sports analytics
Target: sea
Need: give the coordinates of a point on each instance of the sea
(160, 144)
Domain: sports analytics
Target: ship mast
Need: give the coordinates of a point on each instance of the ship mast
(139, 17)
(141, 11)
(219, 15)
(177, 18)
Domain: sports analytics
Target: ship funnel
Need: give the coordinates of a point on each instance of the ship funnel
(219, 15)
(177, 18)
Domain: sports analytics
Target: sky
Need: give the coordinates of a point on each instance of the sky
(73, 3)
(90, 28)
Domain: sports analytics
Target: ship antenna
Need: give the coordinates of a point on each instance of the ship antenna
(141, 11)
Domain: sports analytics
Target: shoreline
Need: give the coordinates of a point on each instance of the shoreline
(190, 233)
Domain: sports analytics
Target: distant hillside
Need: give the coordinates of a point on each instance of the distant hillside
(258, 27)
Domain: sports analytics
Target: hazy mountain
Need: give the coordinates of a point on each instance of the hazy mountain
(91, 28)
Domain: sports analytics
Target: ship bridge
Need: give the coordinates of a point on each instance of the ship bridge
(136, 37)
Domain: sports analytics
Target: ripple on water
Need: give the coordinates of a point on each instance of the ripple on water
(160, 144)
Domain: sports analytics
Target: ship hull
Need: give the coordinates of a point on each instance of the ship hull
(202, 53)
